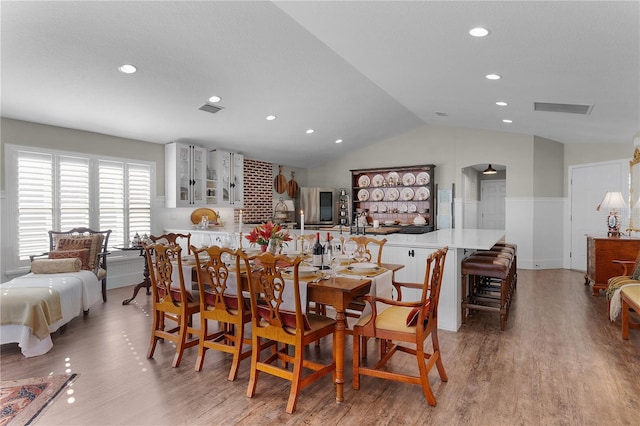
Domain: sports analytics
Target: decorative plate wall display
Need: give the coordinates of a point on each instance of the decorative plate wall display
(402, 208)
(363, 181)
(363, 195)
(377, 194)
(408, 179)
(378, 180)
(423, 193)
(406, 194)
(412, 208)
(393, 194)
(382, 208)
(422, 178)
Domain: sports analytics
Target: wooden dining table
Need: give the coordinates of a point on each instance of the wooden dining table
(338, 292)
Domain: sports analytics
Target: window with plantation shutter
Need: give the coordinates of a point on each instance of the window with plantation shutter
(52, 190)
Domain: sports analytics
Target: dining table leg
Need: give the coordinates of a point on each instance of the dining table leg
(341, 320)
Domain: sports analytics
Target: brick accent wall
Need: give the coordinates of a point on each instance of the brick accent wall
(258, 192)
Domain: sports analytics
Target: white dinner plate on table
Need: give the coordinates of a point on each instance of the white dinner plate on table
(303, 271)
(364, 266)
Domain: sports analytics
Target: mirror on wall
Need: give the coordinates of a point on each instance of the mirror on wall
(634, 192)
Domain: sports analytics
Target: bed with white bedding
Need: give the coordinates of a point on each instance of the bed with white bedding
(77, 291)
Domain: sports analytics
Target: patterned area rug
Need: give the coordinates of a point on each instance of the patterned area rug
(21, 401)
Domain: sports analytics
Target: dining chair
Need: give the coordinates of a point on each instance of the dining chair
(277, 316)
(221, 299)
(409, 323)
(173, 239)
(363, 244)
(170, 301)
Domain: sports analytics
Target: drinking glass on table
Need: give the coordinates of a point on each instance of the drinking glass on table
(350, 249)
(336, 260)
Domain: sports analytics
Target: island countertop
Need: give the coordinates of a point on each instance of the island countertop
(475, 239)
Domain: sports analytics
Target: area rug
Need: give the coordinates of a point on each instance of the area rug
(22, 401)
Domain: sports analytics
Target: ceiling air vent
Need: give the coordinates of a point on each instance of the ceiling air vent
(570, 108)
(210, 108)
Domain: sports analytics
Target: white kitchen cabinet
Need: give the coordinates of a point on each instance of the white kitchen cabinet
(415, 263)
(225, 179)
(185, 168)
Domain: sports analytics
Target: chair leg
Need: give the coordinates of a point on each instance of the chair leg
(182, 337)
(295, 380)
(201, 349)
(104, 289)
(237, 341)
(436, 350)
(356, 361)
(255, 356)
(424, 375)
(154, 338)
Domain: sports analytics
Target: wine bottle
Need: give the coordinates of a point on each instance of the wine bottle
(317, 252)
(328, 252)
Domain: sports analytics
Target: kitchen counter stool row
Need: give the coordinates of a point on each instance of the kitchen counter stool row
(489, 279)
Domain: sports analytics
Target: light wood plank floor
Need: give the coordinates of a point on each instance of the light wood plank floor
(559, 362)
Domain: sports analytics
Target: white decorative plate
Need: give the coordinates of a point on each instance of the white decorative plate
(393, 178)
(363, 195)
(303, 271)
(422, 178)
(408, 179)
(377, 194)
(364, 266)
(423, 193)
(363, 181)
(406, 194)
(382, 208)
(373, 208)
(412, 208)
(378, 180)
(402, 208)
(393, 194)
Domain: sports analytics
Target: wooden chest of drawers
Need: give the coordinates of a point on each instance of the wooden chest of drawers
(601, 252)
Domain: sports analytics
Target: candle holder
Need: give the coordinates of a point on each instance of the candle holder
(240, 240)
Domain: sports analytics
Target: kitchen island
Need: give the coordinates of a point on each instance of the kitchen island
(410, 250)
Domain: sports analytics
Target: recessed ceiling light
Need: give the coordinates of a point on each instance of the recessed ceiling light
(215, 99)
(338, 140)
(479, 32)
(501, 103)
(309, 131)
(441, 114)
(493, 77)
(127, 69)
(507, 121)
(271, 117)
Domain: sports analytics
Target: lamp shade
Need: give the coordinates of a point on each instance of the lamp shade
(612, 200)
(489, 171)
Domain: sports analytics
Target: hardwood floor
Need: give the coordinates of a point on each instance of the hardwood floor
(559, 361)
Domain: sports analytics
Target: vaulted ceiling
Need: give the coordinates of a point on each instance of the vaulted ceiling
(356, 71)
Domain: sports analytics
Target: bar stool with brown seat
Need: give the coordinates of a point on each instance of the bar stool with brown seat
(277, 316)
(221, 299)
(170, 301)
(409, 323)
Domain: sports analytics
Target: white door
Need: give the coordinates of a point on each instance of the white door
(587, 186)
(492, 203)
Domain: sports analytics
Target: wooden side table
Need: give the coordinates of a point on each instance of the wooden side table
(601, 252)
(146, 282)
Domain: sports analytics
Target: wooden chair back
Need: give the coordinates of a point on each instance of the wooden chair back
(171, 300)
(221, 299)
(173, 239)
(363, 243)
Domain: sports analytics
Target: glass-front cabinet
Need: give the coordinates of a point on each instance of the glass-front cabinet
(185, 167)
(225, 178)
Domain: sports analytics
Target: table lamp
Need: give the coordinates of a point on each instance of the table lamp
(611, 202)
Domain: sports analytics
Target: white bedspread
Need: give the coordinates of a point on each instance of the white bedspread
(78, 291)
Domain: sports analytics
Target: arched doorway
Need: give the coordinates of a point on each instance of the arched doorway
(483, 196)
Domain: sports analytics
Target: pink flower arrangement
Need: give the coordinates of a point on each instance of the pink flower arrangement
(264, 233)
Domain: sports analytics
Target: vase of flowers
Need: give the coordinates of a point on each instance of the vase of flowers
(269, 236)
